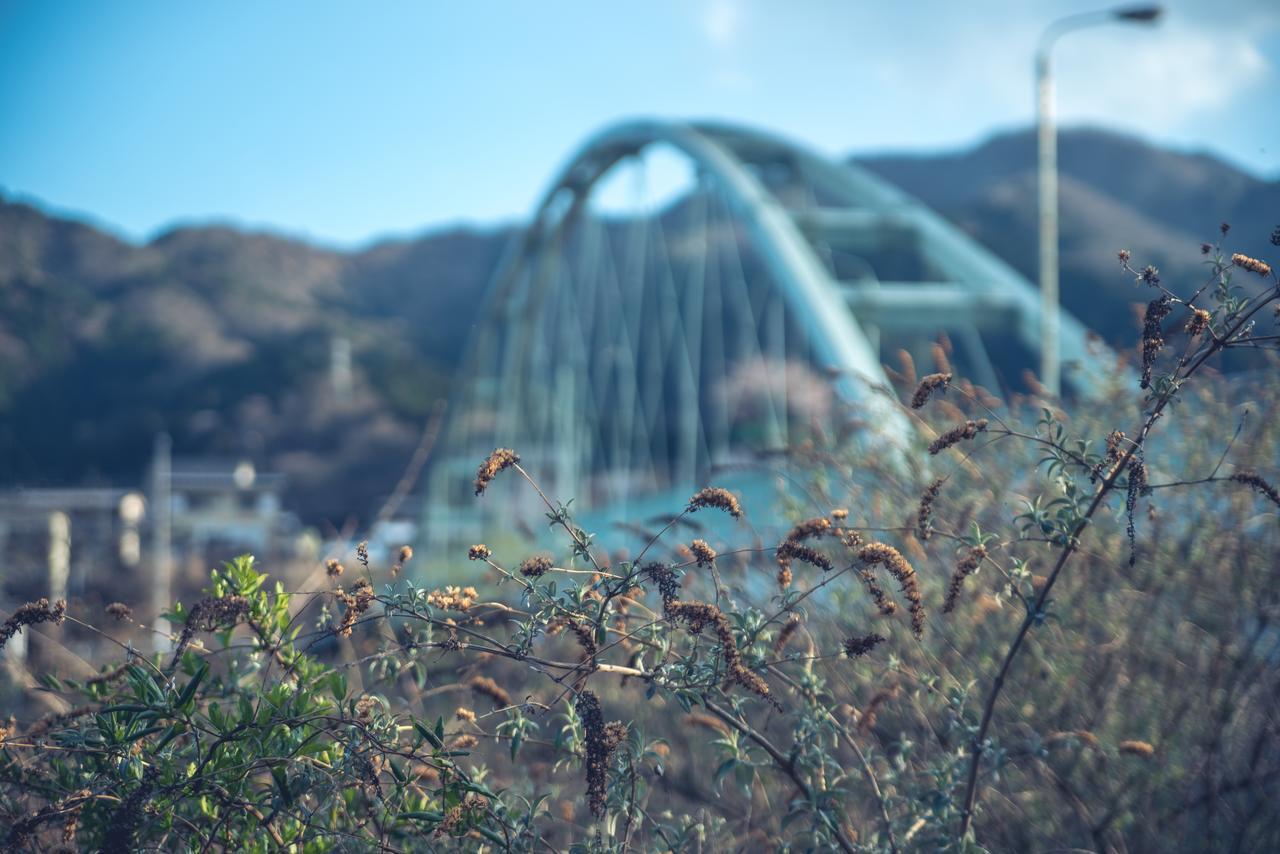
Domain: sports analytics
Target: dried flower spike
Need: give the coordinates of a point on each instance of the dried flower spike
(924, 513)
(784, 636)
(789, 550)
(479, 552)
(702, 552)
(668, 585)
(333, 569)
(601, 740)
(899, 568)
(718, 498)
(1152, 340)
(697, 616)
(1257, 482)
(500, 460)
(1137, 748)
(856, 647)
(964, 568)
(453, 598)
(357, 601)
(928, 385)
(957, 434)
(1253, 265)
(784, 576)
(535, 566)
(485, 686)
(30, 614)
(1198, 322)
(809, 529)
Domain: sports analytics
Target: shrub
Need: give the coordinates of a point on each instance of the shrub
(931, 669)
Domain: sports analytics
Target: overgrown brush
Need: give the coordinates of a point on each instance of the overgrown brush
(1056, 634)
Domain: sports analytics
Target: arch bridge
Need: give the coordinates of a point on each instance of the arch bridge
(690, 295)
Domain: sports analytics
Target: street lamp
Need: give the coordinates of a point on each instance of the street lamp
(1050, 364)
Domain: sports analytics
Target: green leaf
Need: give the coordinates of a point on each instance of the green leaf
(189, 691)
(138, 736)
(721, 772)
(282, 784)
(430, 736)
(126, 707)
(516, 741)
(174, 732)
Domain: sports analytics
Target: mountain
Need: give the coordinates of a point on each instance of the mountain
(223, 337)
(1115, 192)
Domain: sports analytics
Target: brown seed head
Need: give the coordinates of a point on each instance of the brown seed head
(1253, 265)
(929, 385)
(479, 552)
(697, 616)
(500, 460)
(957, 434)
(786, 634)
(702, 552)
(486, 687)
(856, 647)
(357, 600)
(1137, 748)
(453, 598)
(535, 566)
(810, 529)
(964, 568)
(718, 498)
(924, 513)
(600, 740)
(789, 550)
(30, 614)
(1256, 480)
(892, 560)
(1198, 322)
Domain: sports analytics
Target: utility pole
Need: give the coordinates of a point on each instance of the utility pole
(1047, 178)
(161, 538)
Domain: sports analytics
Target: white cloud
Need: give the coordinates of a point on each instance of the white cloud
(1160, 80)
(722, 22)
(722, 25)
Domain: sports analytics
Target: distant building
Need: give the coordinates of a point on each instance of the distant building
(53, 540)
(216, 505)
(61, 541)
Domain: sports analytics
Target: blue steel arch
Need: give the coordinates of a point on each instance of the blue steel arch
(533, 375)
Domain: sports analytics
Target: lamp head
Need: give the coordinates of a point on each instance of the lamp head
(1139, 14)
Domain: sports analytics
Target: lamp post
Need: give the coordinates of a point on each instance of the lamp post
(1047, 168)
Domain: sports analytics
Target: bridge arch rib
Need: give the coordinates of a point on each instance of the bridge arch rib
(565, 366)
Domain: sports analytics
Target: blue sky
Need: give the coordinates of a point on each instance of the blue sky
(343, 122)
